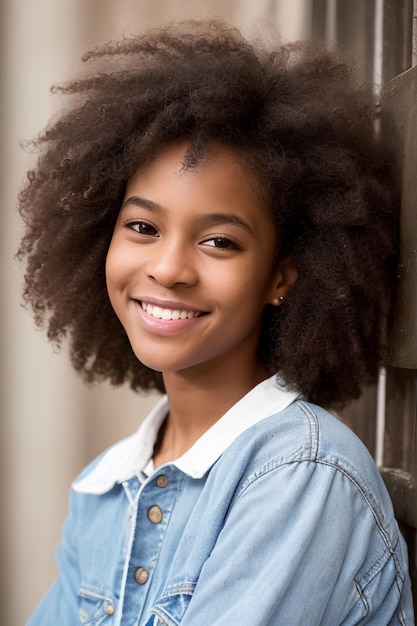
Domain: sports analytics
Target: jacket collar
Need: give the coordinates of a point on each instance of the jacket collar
(130, 456)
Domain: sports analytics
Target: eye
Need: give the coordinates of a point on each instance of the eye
(142, 228)
(224, 243)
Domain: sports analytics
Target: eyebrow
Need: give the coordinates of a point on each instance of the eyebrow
(209, 219)
(212, 219)
(154, 207)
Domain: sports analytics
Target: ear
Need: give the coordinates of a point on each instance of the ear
(284, 276)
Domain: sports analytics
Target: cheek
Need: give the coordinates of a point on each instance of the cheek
(245, 293)
(110, 266)
(116, 272)
(119, 262)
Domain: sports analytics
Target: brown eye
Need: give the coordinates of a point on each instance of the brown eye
(221, 242)
(142, 228)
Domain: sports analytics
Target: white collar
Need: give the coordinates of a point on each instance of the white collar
(129, 457)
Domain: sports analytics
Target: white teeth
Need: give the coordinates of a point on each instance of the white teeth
(168, 314)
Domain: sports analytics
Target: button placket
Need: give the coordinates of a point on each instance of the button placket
(155, 516)
(153, 508)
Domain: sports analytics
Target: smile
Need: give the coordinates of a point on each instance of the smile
(168, 314)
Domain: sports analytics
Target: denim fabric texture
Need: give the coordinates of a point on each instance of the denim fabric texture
(277, 516)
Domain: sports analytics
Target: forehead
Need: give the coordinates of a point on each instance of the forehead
(220, 172)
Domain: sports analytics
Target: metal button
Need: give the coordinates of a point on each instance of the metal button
(155, 514)
(109, 609)
(162, 481)
(141, 575)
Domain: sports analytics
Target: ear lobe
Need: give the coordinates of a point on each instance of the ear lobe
(285, 275)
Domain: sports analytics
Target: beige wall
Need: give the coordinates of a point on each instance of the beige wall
(50, 424)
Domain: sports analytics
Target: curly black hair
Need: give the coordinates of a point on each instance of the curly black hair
(297, 119)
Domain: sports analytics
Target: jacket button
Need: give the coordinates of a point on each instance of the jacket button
(155, 514)
(141, 575)
(109, 609)
(162, 481)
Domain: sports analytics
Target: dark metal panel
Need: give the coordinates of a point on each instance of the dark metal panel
(399, 469)
(400, 100)
(397, 30)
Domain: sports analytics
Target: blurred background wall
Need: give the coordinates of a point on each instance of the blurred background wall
(51, 425)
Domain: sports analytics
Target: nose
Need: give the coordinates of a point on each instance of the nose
(172, 263)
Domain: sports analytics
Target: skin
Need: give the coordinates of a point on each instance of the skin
(198, 242)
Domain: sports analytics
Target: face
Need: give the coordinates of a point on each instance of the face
(190, 268)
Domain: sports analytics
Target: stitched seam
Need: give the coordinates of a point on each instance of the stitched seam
(92, 594)
(361, 590)
(314, 428)
(362, 597)
(162, 615)
(302, 453)
(383, 532)
(186, 587)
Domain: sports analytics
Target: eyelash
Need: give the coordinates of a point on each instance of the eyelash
(219, 241)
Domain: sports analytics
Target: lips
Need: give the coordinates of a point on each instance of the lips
(168, 314)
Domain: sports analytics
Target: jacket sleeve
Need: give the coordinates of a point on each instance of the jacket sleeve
(302, 545)
(60, 604)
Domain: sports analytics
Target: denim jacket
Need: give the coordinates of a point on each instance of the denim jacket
(276, 516)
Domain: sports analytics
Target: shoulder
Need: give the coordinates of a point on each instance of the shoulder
(304, 447)
(306, 432)
(124, 459)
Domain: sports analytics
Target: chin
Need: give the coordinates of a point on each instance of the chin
(158, 364)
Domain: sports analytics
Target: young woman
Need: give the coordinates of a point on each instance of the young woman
(215, 219)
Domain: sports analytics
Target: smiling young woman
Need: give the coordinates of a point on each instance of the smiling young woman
(217, 220)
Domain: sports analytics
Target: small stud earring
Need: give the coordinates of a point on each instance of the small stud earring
(278, 301)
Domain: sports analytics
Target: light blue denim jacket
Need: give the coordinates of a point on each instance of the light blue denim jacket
(276, 516)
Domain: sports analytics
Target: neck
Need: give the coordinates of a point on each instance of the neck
(197, 400)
